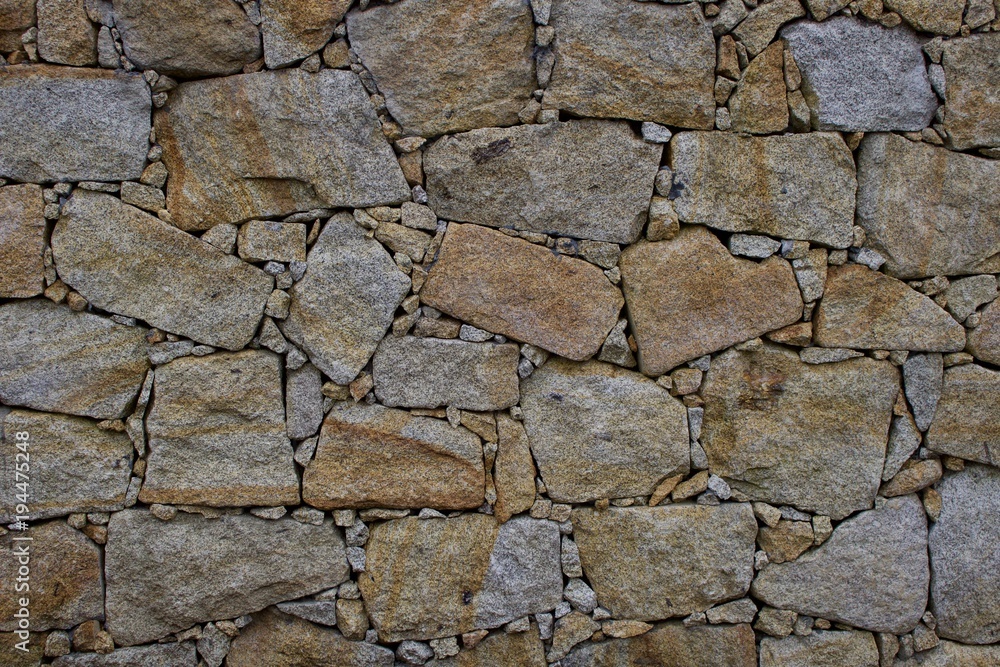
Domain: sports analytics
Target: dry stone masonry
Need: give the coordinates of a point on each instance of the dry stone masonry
(500, 333)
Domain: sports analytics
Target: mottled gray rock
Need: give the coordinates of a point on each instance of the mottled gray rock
(753, 245)
(303, 402)
(967, 422)
(859, 76)
(737, 611)
(130, 263)
(922, 374)
(217, 433)
(604, 45)
(904, 438)
(322, 612)
(345, 303)
(524, 649)
(162, 655)
(448, 66)
(314, 142)
(820, 648)
(69, 124)
(260, 241)
(920, 204)
(872, 573)
(54, 359)
(65, 34)
(951, 654)
(793, 187)
(972, 103)
(84, 468)
(22, 241)
(187, 38)
(674, 645)
(786, 432)
(585, 450)
(984, 340)
(694, 556)
(293, 29)
(514, 472)
(441, 577)
(586, 179)
(164, 576)
(967, 294)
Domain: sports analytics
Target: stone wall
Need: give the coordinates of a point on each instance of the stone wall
(478, 333)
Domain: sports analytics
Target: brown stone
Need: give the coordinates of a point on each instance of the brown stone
(294, 29)
(984, 340)
(22, 241)
(524, 291)
(673, 645)
(799, 334)
(520, 649)
(967, 422)
(688, 297)
(936, 16)
(786, 541)
(759, 104)
(514, 469)
(65, 34)
(972, 103)
(912, 477)
(16, 16)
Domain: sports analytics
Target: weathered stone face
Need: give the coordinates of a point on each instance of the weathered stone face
(951, 654)
(371, 456)
(22, 241)
(16, 16)
(966, 423)
(65, 34)
(522, 290)
(524, 649)
(972, 103)
(619, 59)
(439, 577)
(56, 360)
(833, 648)
(293, 30)
(920, 206)
(105, 113)
(584, 449)
(164, 576)
(794, 186)
(174, 282)
(585, 179)
(759, 104)
(273, 143)
(161, 655)
(984, 340)
(187, 38)
(226, 413)
(675, 645)
(448, 66)
(688, 297)
(514, 469)
(937, 16)
(786, 432)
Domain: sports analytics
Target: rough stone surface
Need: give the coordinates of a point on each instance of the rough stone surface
(514, 469)
(689, 296)
(694, 555)
(793, 186)
(54, 359)
(785, 432)
(921, 205)
(345, 302)
(585, 179)
(984, 340)
(106, 114)
(872, 573)
(164, 655)
(965, 295)
(937, 16)
(176, 282)
(16, 16)
(672, 645)
(22, 241)
(524, 291)
(759, 104)
(293, 30)
(950, 654)
(972, 103)
(273, 143)
(448, 66)
(65, 34)
(859, 76)
(966, 423)
(441, 577)
(759, 28)
(164, 576)
(922, 376)
(819, 649)
(641, 61)
(303, 402)
(584, 450)
(524, 649)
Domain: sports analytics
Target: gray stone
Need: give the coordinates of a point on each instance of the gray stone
(431, 372)
(922, 374)
(345, 303)
(164, 576)
(872, 573)
(162, 655)
(793, 187)
(260, 241)
(693, 556)
(904, 439)
(586, 179)
(303, 402)
(753, 245)
(293, 29)
(65, 34)
(583, 447)
(54, 359)
(323, 612)
(641, 61)
(984, 340)
(737, 611)
(972, 104)
(967, 423)
(673, 645)
(128, 262)
(820, 648)
(314, 142)
(859, 76)
(69, 124)
(966, 294)
(951, 654)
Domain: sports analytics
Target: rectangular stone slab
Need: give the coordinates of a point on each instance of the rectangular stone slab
(972, 91)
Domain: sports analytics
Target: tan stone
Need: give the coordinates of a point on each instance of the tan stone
(786, 541)
(972, 100)
(173, 654)
(16, 16)
(688, 297)
(967, 423)
(820, 648)
(952, 654)
(937, 16)
(625, 629)
(984, 340)
(641, 61)
(673, 645)
(22, 241)
(448, 66)
(65, 34)
(570, 630)
(293, 29)
(513, 471)
(912, 477)
(664, 489)
(759, 104)
(523, 649)
(758, 29)
(524, 291)
(690, 488)
(798, 334)
(868, 310)
(371, 456)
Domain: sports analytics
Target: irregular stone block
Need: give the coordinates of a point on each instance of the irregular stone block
(260, 241)
(65, 34)
(273, 143)
(794, 186)
(16, 16)
(650, 563)
(513, 470)
(448, 66)
(820, 648)
(523, 291)
(165, 576)
(758, 29)
(641, 61)
(585, 449)
(674, 645)
(128, 262)
(872, 573)
(70, 124)
(984, 340)
(922, 375)
(371, 456)
(586, 179)
(937, 16)
(157, 655)
(967, 423)
(859, 76)
(689, 296)
(293, 29)
(759, 105)
(950, 654)
(437, 578)
(972, 100)
(303, 402)
(785, 432)
(22, 241)
(54, 359)
(523, 649)
(216, 430)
